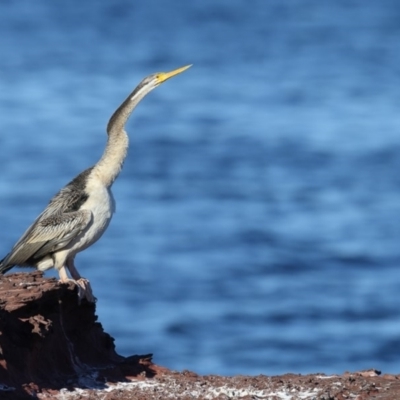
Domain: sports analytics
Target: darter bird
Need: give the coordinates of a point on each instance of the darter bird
(78, 214)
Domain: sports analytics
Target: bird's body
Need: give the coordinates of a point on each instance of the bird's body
(93, 199)
(78, 214)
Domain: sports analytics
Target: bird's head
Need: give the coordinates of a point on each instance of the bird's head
(120, 116)
(161, 77)
(152, 81)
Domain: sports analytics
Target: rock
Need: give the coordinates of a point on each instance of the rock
(52, 347)
(49, 340)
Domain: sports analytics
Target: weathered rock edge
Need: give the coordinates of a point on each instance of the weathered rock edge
(50, 340)
(52, 347)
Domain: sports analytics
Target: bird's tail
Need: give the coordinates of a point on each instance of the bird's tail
(4, 267)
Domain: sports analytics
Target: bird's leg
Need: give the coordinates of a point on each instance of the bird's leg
(65, 279)
(83, 285)
(72, 269)
(63, 275)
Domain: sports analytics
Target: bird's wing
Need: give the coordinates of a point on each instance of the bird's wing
(47, 235)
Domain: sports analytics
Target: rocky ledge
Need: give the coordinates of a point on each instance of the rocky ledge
(52, 347)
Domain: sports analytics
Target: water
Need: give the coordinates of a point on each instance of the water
(257, 226)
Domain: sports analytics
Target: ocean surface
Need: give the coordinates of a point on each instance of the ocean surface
(258, 212)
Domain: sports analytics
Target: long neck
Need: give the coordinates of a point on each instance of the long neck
(110, 164)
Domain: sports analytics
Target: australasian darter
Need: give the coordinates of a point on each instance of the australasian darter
(78, 214)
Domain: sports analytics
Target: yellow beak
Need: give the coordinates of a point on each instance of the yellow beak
(163, 76)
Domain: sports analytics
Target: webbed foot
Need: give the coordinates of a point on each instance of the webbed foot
(84, 289)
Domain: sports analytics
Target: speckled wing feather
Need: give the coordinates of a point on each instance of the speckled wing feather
(47, 235)
(59, 223)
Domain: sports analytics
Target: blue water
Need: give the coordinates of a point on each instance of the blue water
(258, 211)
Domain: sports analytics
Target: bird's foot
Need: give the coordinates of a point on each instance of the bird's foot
(84, 289)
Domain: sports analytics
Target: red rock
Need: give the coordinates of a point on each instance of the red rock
(53, 347)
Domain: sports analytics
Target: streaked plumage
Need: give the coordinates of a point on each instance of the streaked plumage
(78, 215)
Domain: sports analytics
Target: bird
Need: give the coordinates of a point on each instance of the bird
(78, 215)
